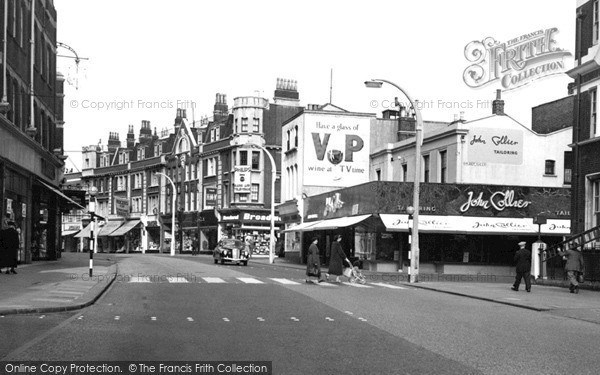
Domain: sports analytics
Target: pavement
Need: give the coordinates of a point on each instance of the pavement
(65, 285)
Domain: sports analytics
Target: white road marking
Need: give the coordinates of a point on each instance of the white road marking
(177, 280)
(117, 317)
(140, 279)
(190, 319)
(42, 317)
(329, 319)
(362, 319)
(225, 319)
(349, 312)
(294, 319)
(80, 317)
(249, 280)
(327, 284)
(285, 281)
(153, 318)
(260, 319)
(213, 280)
(357, 285)
(388, 286)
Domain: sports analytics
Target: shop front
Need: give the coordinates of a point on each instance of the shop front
(208, 225)
(463, 229)
(250, 225)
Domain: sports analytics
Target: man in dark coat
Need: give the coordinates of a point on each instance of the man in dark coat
(313, 262)
(523, 261)
(9, 247)
(574, 266)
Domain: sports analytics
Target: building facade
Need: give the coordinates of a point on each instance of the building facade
(31, 128)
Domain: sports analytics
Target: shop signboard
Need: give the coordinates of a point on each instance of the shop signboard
(336, 150)
(495, 145)
(122, 206)
(467, 200)
(211, 197)
(242, 182)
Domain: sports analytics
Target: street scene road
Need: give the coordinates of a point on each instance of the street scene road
(186, 308)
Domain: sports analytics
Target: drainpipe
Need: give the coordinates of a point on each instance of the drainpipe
(575, 178)
(4, 105)
(31, 129)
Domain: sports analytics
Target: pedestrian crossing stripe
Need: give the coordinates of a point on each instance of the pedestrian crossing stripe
(388, 286)
(285, 281)
(140, 279)
(213, 280)
(357, 285)
(177, 280)
(249, 280)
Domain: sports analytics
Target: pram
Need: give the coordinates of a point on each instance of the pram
(354, 274)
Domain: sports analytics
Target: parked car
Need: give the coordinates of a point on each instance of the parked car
(231, 250)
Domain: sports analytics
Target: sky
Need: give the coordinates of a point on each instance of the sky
(142, 59)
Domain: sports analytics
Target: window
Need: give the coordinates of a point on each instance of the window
(568, 163)
(404, 172)
(296, 137)
(443, 166)
(549, 167)
(425, 168)
(256, 125)
(595, 23)
(243, 157)
(254, 193)
(378, 172)
(288, 140)
(157, 149)
(241, 197)
(593, 110)
(255, 159)
(244, 124)
(236, 125)
(596, 203)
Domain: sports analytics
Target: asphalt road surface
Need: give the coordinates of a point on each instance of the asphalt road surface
(163, 308)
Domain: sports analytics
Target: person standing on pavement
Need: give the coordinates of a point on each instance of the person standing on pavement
(523, 261)
(313, 261)
(574, 266)
(195, 244)
(9, 247)
(336, 262)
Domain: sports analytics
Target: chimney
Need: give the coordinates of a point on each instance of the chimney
(286, 92)
(145, 131)
(113, 142)
(220, 109)
(498, 105)
(130, 137)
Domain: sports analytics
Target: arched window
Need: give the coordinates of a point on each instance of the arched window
(183, 146)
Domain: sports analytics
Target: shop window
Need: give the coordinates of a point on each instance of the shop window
(549, 169)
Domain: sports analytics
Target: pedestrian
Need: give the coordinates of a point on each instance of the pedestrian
(313, 262)
(523, 261)
(574, 266)
(250, 245)
(195, 244)
(9, 247)
(336, 262)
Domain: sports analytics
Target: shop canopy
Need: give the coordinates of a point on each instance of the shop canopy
(60, 194)
(303, 227)
(126, 227)
(66, 233)
(476, 225)
(85, 232)
(109, 227)
(340, 222)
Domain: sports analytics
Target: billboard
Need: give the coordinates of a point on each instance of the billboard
(336, 152)
(242, 182)
(493, 145)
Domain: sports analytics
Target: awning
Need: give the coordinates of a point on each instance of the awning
(340, 222)
(66, 233)
(109, 227)
(126, 227)
(303, 227)
(85, 232)
(479, 225)
(60, 193)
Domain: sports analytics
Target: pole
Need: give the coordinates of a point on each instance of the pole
(92, 210)
(173, 194)
(414, 260)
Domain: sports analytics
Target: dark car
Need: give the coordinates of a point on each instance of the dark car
(230, 250)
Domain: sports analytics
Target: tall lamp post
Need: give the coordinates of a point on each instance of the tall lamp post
(273, 178)
(173, 194)
(92, 191)
(414, 253)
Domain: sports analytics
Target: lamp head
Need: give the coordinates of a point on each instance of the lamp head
(410, 210)
(92, 190)
(373, 84)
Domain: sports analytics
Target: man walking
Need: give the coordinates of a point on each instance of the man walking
(574, 266)
(523, 261)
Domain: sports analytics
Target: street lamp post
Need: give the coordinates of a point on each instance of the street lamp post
(92, 191)
(173, 192)
(273, 178)
(414, 259)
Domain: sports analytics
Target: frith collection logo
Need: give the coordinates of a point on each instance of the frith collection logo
(515, 63)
